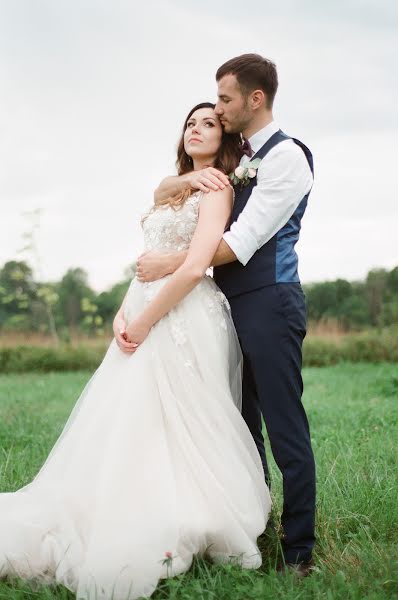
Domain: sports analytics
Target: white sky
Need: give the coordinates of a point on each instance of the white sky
(93, 95)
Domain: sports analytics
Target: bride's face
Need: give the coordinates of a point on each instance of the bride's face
(203, 133)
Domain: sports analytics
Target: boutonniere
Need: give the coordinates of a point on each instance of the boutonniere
(242, 175)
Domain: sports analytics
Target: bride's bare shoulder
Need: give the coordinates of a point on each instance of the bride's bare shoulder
(226, 195)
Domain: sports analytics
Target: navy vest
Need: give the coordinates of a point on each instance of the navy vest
(276, 261)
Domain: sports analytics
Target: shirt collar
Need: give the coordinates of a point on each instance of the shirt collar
(258, 139)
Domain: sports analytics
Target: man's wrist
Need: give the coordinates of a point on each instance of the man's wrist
(224, 254)
(170, 186)
(175, 260)
(185, 180)
(170, 263)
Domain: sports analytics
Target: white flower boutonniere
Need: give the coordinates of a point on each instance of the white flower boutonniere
(242, 175)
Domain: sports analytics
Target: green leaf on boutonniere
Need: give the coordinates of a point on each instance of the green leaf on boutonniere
(253, 164)
(234, 179)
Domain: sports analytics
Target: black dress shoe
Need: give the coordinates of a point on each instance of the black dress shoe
(299, 570)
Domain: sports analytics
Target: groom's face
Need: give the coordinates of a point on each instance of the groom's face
(232, 108)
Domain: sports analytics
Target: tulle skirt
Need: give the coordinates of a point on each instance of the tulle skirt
(155, 464)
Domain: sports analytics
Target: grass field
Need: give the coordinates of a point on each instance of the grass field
(353, 414)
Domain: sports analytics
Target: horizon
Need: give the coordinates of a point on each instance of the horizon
(112, 284)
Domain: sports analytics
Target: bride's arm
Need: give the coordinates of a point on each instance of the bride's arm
(154, 265)
(215, 210)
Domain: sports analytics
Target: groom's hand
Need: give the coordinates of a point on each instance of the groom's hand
(154, 265)
(207, 179)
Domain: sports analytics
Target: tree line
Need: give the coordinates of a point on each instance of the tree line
(69, 306)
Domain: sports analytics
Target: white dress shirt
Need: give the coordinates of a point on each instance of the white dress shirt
(283, 179)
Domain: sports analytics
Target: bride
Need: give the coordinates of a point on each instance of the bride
(155, 463)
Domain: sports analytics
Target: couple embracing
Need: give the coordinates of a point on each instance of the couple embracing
(163, 455)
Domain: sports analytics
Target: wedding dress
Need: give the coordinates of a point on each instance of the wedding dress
(155, 463)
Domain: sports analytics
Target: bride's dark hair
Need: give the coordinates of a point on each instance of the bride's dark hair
(227, 159)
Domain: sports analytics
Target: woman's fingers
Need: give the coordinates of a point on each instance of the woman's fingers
(123, 343)
(127, 349)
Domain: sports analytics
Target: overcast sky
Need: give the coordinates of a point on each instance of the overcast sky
(93, 95)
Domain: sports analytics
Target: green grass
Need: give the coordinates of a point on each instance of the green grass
(353, 414)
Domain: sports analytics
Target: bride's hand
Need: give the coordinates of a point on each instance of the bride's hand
(119, 331)
(136, 332)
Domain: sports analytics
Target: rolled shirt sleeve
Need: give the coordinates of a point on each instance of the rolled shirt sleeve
(283, 179)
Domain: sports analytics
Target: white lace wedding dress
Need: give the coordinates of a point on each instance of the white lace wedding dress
(154, 459)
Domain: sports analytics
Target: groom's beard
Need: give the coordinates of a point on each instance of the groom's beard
(240, 122)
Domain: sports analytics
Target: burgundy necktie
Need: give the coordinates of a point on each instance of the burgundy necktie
(246, 148)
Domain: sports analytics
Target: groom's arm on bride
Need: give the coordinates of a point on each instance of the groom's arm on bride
(204, 179)
(283, 179)
(154, 265)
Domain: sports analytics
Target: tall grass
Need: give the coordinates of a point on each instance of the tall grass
(376, 347)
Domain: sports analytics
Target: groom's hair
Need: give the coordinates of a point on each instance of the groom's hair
(253, 72)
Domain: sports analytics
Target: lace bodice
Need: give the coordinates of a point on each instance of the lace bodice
(169, 228)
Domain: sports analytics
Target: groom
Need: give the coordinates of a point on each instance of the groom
(256, 267)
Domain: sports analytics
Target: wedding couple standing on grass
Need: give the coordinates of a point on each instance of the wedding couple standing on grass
(162, 457)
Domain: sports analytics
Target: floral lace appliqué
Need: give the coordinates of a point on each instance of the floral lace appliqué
(216, 303)
(178, 329)
(166, 228)
(169, 228)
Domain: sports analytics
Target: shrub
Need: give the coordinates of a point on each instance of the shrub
(373, 347)
(33, 358)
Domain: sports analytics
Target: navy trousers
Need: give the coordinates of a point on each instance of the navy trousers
(271, 325)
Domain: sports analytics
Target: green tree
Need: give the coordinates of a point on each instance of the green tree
(43, 307)
(109, 302)
(71, 290)
(376, 284)
(17, 290)
(389, 314)
(320, 300)
(339, 300)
